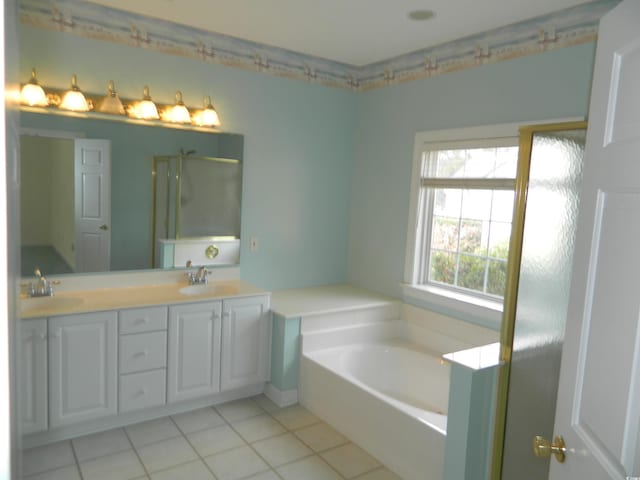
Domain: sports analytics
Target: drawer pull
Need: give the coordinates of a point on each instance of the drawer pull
(143, 353)
(142, 392)
(142, 321)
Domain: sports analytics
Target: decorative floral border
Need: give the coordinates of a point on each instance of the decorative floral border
(568, 27)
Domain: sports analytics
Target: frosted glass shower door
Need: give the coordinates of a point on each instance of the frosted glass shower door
(210, 196)
(552, 201)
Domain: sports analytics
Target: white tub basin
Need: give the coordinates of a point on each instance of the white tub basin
(209, 290)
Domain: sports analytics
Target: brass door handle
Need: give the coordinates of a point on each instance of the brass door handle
(104, 227)
(544, 448)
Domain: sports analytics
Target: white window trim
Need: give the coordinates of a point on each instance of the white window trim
(487, 311)
(468, 305)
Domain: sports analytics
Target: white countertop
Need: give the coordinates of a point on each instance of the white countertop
(301, 302)
(81, 301)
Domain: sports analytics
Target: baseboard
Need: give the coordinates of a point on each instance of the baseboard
(129, 418)
(279, 397)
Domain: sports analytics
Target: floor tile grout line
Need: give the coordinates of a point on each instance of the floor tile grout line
(75, 454)
(381, 468)
(246, 443)
(184, 436)
(75, 459)
(292, 432)
(272, 468)
(315, 453)
(126, 427)
(380, 464)
(228, 422)
(137, 454)
(319, 452)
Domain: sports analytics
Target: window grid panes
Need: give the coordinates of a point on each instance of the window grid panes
(467, 229)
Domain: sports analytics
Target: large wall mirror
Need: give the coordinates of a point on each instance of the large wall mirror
(87, 187)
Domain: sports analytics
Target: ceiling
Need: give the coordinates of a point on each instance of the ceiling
(355, 32)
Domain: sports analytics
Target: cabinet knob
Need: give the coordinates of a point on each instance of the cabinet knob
(142, 392)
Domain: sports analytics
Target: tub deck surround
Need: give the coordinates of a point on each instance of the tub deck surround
(324, 300)
(301, 310)
(402, 420)
(477, 358)
(82, 301)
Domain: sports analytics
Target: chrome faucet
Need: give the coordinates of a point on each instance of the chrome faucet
(198, 277)
(40, 286)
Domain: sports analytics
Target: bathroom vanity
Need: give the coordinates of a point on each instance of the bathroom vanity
(102, 358)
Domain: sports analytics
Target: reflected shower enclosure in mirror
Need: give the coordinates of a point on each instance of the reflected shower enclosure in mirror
(196, 210)
(47, 185)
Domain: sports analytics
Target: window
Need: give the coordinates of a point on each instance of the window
(462, 205)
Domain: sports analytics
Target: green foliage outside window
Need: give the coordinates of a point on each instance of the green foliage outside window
(472, 263)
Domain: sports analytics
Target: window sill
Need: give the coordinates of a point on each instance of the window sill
(466, 307)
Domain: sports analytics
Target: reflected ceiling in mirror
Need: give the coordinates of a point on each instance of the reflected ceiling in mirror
(48, 184)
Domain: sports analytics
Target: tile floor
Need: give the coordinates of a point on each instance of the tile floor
(245, 439)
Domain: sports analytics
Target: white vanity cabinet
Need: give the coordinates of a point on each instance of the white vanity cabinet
(142, 358)
(33, 375)
(193, 368)
(218, 346)
(83, 368)
(246, 342)
(85, 372)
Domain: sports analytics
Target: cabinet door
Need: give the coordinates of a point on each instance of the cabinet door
(33, 375)
(193, 368)
(83, 370)
(246, 342)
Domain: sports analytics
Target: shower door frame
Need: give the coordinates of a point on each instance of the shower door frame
(507, 333)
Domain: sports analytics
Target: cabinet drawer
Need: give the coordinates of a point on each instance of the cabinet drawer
(142, 390)
(144, 351)
(147, 319)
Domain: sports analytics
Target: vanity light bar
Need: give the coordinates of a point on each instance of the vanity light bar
(112, 104)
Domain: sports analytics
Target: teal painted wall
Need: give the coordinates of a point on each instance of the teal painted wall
(470, 420)
(298, 145)
(551, 85)
(285, 351)
(326, 179)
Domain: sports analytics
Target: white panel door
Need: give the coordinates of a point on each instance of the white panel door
(92, 164)
(193, 367)
(83, 367)
(246, 342)
(598, 407)
(33, 399)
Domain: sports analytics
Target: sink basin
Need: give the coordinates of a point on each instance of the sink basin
(48, 303)
(208, 290)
